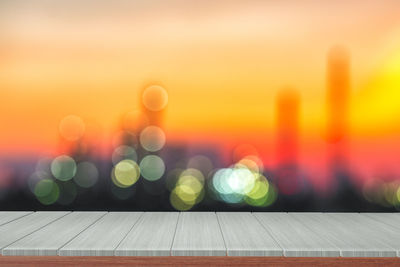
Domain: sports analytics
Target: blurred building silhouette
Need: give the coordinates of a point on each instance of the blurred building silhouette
(338, 91)
(287, 175)
(287, 110)
(345, 193)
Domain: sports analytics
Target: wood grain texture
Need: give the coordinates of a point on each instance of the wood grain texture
(151, 236)
(198, 234)
(349, 238)
(377, 230)
(102, 237)
(8, 216)
(61, 261)
(47, 240)
(245, 236)
(392, 219)
(295, 238)
(19, 228)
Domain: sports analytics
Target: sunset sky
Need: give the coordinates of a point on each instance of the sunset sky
(222, 63)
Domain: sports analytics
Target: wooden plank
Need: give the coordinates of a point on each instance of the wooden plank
(17, 229)
(102, 237)
(349, 238)
(198, 234)
(392, 219)
(380, 231)
(295, 238)
(245, 236)
(151, 236)
(8, 216)
(49, 239)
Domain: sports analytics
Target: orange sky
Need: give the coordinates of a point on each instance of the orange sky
(222, 63)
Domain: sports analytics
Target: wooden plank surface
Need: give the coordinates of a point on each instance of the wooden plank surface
(19, 228)
(151, 236)
(245, 236)
(392, 219)
(8, 216)
(349, 238)
(47, 240)
(295, 238)
(382, 232)
(102, 237)
(198, 234)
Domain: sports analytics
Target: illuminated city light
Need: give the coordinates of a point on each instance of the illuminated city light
(155, 98)
(72, 127)
(125, 173)
(152, 167)
(152, 138)
(63, 168)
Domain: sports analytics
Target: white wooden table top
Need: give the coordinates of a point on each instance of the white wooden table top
(200, 234)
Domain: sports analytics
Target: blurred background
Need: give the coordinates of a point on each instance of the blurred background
(200, 105)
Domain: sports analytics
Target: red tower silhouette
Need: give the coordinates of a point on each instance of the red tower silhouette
(287, 111)
(287, 126)
(338, 89)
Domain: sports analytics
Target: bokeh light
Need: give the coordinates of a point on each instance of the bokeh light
(152, 167)
(86, 174)
(172, 178)
(72, 127)
(243, 183)
(124, 152)
(189, 189)
(152, 138)
(125, 173)
(155, 98)
(36, 177)
(201, 163)
(63, 168)
(193, 173)
(178, 195)
(253, 163)
(43, 165)
(47, 191)
(258, 196)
